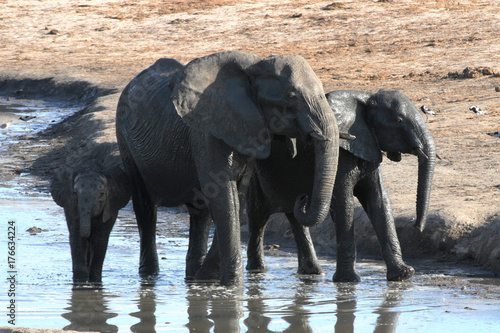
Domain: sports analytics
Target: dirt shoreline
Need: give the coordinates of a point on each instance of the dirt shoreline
(86, 53)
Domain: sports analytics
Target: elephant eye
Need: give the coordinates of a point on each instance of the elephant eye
(399, 120)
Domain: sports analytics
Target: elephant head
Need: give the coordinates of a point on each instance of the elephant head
(387, 121)
(244, 100)
(90, 194)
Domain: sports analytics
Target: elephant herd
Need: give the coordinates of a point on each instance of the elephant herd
(230, 131)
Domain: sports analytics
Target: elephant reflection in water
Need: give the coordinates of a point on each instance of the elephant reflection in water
(387, 319)
(210, 312)
(147, 308)
(213, 310)
(88, 311)
(296, 316)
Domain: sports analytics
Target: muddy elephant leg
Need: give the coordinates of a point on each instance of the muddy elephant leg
(145, 212)
(227, 228)
(217, 167)
(210, 269)
(199, 230)
(258, 215)
(373, 197)
(99, 245)
(308, 262)
(342, 216)
(78, 247)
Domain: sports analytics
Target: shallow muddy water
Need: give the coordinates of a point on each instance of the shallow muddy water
(440, 297)
(37, 115)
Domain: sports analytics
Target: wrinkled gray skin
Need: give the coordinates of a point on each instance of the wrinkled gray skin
(191, 135)
(384, 121)
(91, 198)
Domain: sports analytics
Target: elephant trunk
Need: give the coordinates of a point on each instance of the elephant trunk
(326, 150)
(85, 216)
(426, 164)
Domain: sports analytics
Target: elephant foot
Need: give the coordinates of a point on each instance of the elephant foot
(206, 274)
(231, 280)
(310, 268)
(191, 271)
(346, 276)
(400, 274)
(147, 273)
(256, 266)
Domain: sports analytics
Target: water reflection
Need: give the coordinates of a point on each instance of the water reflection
(295, 314)
(257, 321)
(216, 309)
(213, 307)
(387, 320)
(147, 308)
(88, 310)
(346, 306)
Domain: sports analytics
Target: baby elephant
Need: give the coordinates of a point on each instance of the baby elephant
(91, 197)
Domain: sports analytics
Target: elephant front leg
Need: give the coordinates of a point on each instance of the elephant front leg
(308, 262)
(258, 215)
(342, 216)
(375, 201)
(224, 210)
(217, 167)
(99, 246)
(199, 229)
(79, 248)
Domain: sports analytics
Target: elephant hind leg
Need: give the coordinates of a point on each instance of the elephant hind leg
(145, 213)
(308, 262)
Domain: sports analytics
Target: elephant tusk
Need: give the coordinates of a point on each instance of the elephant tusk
(346, 136)
(318, 136)
(421, 153)
(291, 145)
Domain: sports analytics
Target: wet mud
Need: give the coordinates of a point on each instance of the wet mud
(441, 296)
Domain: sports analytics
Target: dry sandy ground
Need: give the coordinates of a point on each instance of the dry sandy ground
(419, 47)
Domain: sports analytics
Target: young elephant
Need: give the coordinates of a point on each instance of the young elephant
(91, 195)
(384, 121)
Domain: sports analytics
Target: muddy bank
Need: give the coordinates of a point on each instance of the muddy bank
(446, 237)
(68, 140)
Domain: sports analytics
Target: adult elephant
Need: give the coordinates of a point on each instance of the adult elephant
(383, 121)
(191, 135)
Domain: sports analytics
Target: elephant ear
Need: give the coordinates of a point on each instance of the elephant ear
(213, 94)
(119, 192)
(61, 186)
(350, 109)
